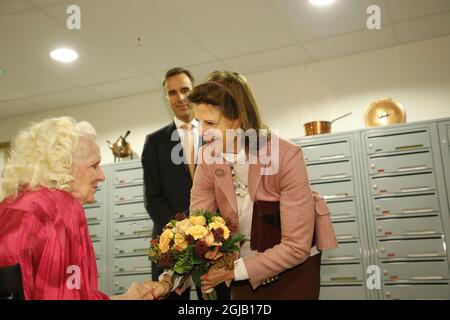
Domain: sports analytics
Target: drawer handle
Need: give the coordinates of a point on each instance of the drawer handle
(143, 269)
(334, 176)
(334, 156)
(414, 189)
(385, 272)
(417, 210)
(380, 228)
(340, 215)
(89, 220)
(341, 258)
(335, 196)
(413, 168)
(343, 279)
(138, 180)
(140, 215)
(382, 250)
(423, 255)
(141, 231)
(140, 250)
(420, 232)
(427, 278)
(138, 197)
(415, 146)
(344, 236)
(388, 294)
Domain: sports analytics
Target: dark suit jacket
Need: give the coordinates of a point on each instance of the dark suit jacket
(167, 186)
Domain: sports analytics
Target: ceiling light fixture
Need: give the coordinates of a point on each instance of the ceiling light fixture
(321, 2)
(65, 55)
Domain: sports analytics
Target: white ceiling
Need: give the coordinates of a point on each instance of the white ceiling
(202, 35)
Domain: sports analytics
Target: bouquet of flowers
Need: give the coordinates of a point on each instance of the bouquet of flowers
(191, 245)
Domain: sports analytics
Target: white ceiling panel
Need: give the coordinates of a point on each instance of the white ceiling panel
(350, 43)
(64, 99)
(231, 27)
(10, 6)
(126, 87)
(310, 22)
(423, 28)
(408, 9)
(17, 108)
(271, 59)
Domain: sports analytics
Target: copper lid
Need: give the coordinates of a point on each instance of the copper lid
(384, 111)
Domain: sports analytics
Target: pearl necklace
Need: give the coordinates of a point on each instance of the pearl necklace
(240, 188)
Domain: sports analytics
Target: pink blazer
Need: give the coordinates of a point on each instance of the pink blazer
(302, 213)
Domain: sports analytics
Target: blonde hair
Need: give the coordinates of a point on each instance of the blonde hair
(42, 155)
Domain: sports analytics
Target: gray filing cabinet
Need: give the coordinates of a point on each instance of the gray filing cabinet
(407, 210)
(332, 169)
(398, 214)
(121, 228)
(96, 215)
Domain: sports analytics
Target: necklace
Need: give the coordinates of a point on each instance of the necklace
(240, 188)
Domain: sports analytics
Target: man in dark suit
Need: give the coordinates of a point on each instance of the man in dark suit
(168, 162)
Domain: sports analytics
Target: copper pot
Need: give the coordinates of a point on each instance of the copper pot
(320, 127)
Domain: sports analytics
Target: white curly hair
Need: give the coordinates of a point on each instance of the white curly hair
(43, 155)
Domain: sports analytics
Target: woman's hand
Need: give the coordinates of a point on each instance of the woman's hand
(160, 289)
(214, 277)
(137, 291)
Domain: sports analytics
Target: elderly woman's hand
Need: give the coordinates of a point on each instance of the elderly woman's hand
(137, 291)
(215, 276)
(160, 289)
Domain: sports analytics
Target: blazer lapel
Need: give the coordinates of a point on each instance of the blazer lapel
(254, 177)
(222, 174)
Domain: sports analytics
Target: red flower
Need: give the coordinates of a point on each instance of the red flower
(166, 260)
(180, 216)
(190, 240)
(218, 234)
(201, 248)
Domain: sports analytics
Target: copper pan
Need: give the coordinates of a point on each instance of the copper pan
(320, 127)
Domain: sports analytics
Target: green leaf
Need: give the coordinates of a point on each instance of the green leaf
(196, 277)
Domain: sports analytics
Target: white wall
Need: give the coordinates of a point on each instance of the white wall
(416, 74)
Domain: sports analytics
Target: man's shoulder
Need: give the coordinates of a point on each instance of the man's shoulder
(161, 133)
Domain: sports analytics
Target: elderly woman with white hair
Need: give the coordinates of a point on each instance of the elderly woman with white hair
(54, 169)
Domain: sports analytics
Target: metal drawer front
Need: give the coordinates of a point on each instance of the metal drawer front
(341, 273)
(131, 246)
(95, 231)
(420, 226)
(414, 140)
(401, 163)
(415, 270)
(133, 193)
(342, 293)
(135, 175)
(97, 248)
(418, 204)
(342, 209)
(132, 264)
(334, 190)
(122, 283)
(327, 151)
(417, 248)
(137, 228)
(329, 171)
(346, 230)
(402, 184)
(130, 211)
(345, 252)
(416, 292)
(93, 214)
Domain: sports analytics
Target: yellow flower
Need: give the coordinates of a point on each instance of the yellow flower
(183, 225)
(197, 232)
(216, 225)
(164, 240)
(197, 220)
(218, 219)
(180, 242)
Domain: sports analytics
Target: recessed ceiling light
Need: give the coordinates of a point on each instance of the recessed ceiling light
(321, 2)
(64, 55)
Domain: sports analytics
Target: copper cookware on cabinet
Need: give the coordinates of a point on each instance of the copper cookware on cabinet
(320, 127)
(384, 111)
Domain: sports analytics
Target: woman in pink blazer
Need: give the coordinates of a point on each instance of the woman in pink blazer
(245, 171)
